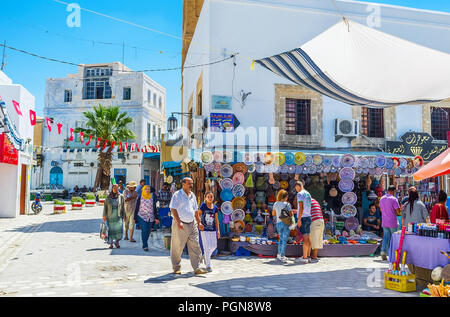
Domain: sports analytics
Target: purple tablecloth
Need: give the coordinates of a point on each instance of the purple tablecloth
(424, 252)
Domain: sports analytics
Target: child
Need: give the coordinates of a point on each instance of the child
(207, 218)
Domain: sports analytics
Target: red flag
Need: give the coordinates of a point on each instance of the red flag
(104, 146)
(126, 146)
(17, 107)
(48, 124)
(81, 137)
(90, 138)
(32, 117)
(98, 142)
(159, 149)
(153, 148)
(71, 135)
(120, 147)
(59, 127)
(112, 145)
(137, 147)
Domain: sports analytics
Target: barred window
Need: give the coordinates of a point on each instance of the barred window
(68, 95)
(372, 122)
(298, 116)
(440, 123)
(127, 93)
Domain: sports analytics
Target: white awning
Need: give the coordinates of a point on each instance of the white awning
(362, 66)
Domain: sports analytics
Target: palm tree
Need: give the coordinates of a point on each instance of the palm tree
(107, 123)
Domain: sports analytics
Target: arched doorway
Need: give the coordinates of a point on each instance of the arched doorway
(56, 176)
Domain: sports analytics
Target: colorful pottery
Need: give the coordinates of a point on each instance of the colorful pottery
(238, 214)
(248, 158)
(349, 198)
(309, 161)
(346, 185)
(226, 194)
(348, 160)
(327, 161)
(380, 160)
(240, 167)
(228, 157)
(238, 178)
(299, 158)
(348, 211)
(226, 183)
(206, 157)
(218, 156)
(226, 170)
(238, 190)
(347, 173)
(317, 159)
(251, 168)
(226, 208)
(351, 223)
(289, 158)
(279, 159)
(238, 203)
(336, 161)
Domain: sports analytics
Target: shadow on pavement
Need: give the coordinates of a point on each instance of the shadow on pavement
(171, 277)
(78, 226)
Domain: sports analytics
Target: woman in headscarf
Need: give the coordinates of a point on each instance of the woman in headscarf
(113, 211)
(414, 211)
(146, 214)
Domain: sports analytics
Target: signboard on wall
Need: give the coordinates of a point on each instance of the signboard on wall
(223, 122)
(416, 143)
(221, 102)
(8, 154)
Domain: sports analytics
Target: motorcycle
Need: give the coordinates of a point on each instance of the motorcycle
(36, 206)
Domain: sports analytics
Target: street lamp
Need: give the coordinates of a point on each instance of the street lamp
(172, 122)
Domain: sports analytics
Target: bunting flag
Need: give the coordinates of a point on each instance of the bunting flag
(104, 146)
(49, 126)
(81, 137)
(112, 145)
(17, 107)
(33, 117)
(120, 147)
(90, 138)
(126, 147)
(137, 147)
(59, 127)
(71, 135)
(98, 142)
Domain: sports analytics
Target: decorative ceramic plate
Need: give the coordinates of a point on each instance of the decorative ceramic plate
(333, 169)
(217, 167)
(312, 170)
(326, 169)
(359, 170)
(349, 198)
(209, 167)
(351, 223)
(366, 170)
(218, 156)
(327, 161)
(238, 178)
(380, 160)
(238, 214)
(248, 158)
(319, 169)
(378, 171)
(372, 171)
(226, 194)
(346, 185)
(372, 162)
(317, 159)
(398, 171)
(357, 162)
(228, 157)
(284, 169)
(289, 158)
(279, 159)
(403, 162)
(309, 161)
(260, 168)
(238, 226)
(389, 163)
(348, 211)
(298, 169)
(291, 169)
(348, 160)
(336, 161)
(238, 203)
(259, 157)
(251, 168)
(269, 158)
(207, 157)
(418, 161)
(347, 173)
(226, 170)
(240, 167)
(300, 158)
(284, 184)
(226, 183)
(364, 162)
(226, 208)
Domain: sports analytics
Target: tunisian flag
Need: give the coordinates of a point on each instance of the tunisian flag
(81, 137)
(17, 107)
(49, 126)
(90, 138)
(71, 135)
(32, 117)
(59, 128)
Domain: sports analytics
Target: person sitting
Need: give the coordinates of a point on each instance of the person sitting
(372, 220)
(439, 213)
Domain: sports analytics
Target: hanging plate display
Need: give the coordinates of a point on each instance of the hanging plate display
(228, 157)
(309, 161)
(403, 162)
(389, 163)
(238, 214)
(312, 170)
(366, 170)
(317, 159)
(258, 158)
(349, 198)
(226, 194)
(357, 162)
(398, 171)
(269, 158)
(396, 161)
(238, 178)
(248, 158)
(348, 160)
(238, 226)
(240, 167)
(364, 162)
(279, 159)
(372, 162)
(226, 208)
(251, 168)
(319, 169)
(209, 167)
(351, 223)
(289, 158)
(380, 160)
(206, 157)
(346, 185)
(238, 203)
(299, 158)
(348, 211)
(336, 161)
(378, 171)
(284, 184)
(359, 170)
(327, 161)
(298, 169)
(326, 169)
(372, 171)
(291, 169)
(347, 173)
(418, 161)
(284, 168)
(217, 167)
(226, 170)
(226, 183)
(260, 168)
(218, 156)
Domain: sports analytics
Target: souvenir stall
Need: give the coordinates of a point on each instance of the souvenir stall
(245, 185)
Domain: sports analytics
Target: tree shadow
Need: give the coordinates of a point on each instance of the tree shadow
(65, 226)
(171, 277)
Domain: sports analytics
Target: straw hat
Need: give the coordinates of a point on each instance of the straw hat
(132, 184)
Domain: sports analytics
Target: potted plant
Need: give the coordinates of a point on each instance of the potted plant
(101, 199)
(90, 199)
(77, 203)
(59, 207)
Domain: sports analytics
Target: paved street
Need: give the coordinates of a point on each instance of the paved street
(62, 255)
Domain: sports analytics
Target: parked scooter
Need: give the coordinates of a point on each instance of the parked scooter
(36, 206)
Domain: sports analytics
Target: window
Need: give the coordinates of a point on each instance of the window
(68, 95)
(154, 100)
(149, 96)
(160, 102)
(154, 132)
(96, 84)
(440, 123)
(372, 122)
(159, 133)
(127, 93)
(149, 127)
(298, 116)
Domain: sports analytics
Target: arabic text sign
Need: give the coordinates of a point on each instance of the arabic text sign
(414, 143)
(221, 102)
(222, 122)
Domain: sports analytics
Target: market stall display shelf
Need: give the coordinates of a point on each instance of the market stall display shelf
(404, 284)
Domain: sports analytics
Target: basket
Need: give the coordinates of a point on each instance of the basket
(405, 284)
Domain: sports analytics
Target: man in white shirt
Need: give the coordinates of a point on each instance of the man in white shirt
(183, 206)
(304, 219)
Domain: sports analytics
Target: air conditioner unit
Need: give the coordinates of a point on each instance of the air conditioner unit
(346, 128)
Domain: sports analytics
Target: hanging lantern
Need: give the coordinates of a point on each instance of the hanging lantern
(172, 124)
(372, 195)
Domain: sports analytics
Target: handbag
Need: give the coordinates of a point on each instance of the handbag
(285, 216)
(103, 231)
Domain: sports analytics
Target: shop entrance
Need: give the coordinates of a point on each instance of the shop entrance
(120, 174)
(56, 176)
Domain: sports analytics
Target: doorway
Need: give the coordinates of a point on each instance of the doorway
(23, 188)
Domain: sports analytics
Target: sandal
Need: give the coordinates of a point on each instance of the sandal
(111, 246)
(117, 245)
(132, 240)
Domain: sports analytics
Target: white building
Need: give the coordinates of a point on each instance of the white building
(258, 29)
(15, 179)
(70, 163)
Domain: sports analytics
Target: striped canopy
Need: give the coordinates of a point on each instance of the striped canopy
(362, 66)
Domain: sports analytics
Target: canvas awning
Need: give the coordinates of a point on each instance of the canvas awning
(437, 167)
(362, 66)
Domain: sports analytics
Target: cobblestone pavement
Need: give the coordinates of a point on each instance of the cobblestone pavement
(62, 255)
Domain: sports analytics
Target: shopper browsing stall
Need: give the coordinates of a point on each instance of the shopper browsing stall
(282, 213)
(146, 214)
(317, 228)
(414, 211)
(439, 213)
(389, 210)
(304, 219)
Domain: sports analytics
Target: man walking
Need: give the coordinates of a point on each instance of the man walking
(130, 196)
(389, 210)
(304, 219)
(184, 229)
(164, 196)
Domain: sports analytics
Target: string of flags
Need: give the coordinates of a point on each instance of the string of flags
(105, 144)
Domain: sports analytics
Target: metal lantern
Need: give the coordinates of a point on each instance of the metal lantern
(172, 124)
(372, 195)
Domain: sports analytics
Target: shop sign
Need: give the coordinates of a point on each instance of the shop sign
(416, 143)
(223, 122)
(221, 102)
(8, 154)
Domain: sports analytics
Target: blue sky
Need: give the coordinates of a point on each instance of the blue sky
(39, 26)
